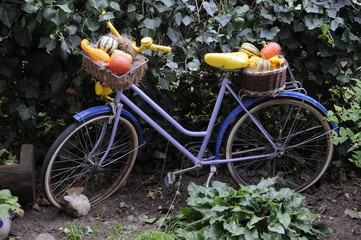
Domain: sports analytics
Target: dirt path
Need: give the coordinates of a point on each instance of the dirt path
(144, 200)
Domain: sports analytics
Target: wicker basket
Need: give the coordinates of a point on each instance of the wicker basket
(267, 83)
(115, 81)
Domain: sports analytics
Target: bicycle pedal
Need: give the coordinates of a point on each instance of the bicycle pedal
(169, 179)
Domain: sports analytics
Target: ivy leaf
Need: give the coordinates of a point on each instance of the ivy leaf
(92, 25)
(71, 29)
(8, 15)
(168, 3)
(178, 18)
(187, 20)
(65, 8)
(269, 34)
(115, 5)
(173, 34)
(24, 112)
(131, 8)
(57, 80)
(152, 23)
(224, 19)
(30, 87)
(210, 7)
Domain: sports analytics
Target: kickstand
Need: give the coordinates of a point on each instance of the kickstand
(211, 173)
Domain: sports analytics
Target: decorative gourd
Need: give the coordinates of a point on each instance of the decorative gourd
(107, 44)
(249, 49)
(261, 65)
(276, 61)
(269, 50)
(252, 60)
(119, 64)
(120, 52)
(95, 54)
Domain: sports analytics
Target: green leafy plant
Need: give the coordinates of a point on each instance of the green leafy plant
(252, 212)
(8, 204)
(347, 113)
(7, 157)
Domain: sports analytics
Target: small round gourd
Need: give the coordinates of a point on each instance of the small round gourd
(107, 44)
(261, 65)
(249, 49)
(269, 50)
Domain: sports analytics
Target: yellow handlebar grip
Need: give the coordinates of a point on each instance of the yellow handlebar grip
(160, 48)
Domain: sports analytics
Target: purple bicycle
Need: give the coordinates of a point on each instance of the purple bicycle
(286, 135)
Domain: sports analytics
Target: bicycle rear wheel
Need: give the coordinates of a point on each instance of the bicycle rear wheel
(295, 126)
(72, 162)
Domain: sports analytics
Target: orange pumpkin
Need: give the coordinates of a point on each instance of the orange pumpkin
(119, 64)
(270, 50)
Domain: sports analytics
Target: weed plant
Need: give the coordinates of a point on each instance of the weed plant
(252, 212)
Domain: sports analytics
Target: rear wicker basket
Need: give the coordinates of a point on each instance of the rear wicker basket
(267, 83)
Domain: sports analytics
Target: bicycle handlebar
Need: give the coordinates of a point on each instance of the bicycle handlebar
(146, 43)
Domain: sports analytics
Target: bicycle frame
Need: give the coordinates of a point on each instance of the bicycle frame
(198, 160)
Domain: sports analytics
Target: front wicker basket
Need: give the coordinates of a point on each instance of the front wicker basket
(115, 81)
(267, 83)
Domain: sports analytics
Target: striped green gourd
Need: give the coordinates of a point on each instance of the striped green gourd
(107, 44)
(249, 49)
(261, 65)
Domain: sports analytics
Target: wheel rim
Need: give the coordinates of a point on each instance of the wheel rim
(73, 167)
(296, 127)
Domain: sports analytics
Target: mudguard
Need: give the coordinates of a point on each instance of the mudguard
(251, 101)
(87, 113)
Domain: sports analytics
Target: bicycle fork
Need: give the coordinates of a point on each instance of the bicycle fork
(117, 108)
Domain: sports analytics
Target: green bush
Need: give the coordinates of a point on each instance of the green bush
(42, 84)
(252, 212)
(347, 113)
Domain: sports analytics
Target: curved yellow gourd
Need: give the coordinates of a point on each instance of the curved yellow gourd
(233, 60)
(95, 54)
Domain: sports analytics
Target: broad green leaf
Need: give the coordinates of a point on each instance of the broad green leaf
(92, 25)
(152, 23)
(233, 228)
(187, 20)
(31, 7)
(57, 80)
(25, 112)
(8, 15)
(31, 87)
(71, 29)
(269, 34)
(168, 3)
(210, 7)
(49, 13)
(173, 34)
(65, 8)
(223, 19)
(178, 18)
(131, 8)
(115, 5)
(276, 227)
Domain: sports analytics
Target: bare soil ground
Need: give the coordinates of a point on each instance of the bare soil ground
(144, 199)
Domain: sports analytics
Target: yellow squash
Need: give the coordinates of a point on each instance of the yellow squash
(233, 60)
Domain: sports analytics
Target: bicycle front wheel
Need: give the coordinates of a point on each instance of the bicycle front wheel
(298, 128)
(73, 161)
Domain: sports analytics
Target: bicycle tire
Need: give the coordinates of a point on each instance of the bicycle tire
(298, 127)
(68, 163)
